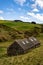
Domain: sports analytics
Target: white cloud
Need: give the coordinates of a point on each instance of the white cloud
(1, 11)
(31, 14)
(38, 16)
(24, 18)
(21, 2)
(39, 3)
(34, 5)
(35, 10)
(1, 18)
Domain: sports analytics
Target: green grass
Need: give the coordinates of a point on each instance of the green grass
(33, 57)
(20, 25)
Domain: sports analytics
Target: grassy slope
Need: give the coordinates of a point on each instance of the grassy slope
(33, 57)
(20, 25)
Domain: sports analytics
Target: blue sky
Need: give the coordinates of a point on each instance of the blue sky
(25, 10)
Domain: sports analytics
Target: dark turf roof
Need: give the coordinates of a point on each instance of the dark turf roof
(27, 43)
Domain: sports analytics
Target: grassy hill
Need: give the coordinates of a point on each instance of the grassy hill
(9, 31)
(19, 25)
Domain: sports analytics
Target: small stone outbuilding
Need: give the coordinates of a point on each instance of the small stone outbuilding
(22, 46)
